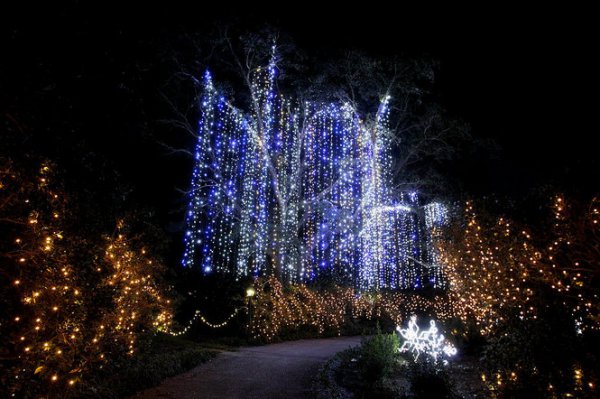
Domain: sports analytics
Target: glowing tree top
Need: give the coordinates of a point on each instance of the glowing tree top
(299, 190)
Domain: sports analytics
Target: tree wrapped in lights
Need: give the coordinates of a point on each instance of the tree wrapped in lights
(139, 301)
(488, 266)
(570, 258)
(496, 265)
(534, 292)
(300, 190)
(43, 320)
(67, 307)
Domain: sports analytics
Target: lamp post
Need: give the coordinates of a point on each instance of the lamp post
(250, 293)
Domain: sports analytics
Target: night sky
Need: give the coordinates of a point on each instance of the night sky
(93, 79)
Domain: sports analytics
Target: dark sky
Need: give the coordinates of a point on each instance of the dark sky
(519, 77)
(524, 78)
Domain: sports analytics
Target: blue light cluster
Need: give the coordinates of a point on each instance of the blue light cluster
(300, 190)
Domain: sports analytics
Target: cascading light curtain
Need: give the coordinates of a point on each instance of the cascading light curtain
(301, 191)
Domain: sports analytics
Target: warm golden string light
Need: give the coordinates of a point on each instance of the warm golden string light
(69, 316)
(199, 316)
(493, 266)
(68, 320)
(277, 308)
(496, 266)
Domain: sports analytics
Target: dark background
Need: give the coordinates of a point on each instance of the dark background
(89, 82)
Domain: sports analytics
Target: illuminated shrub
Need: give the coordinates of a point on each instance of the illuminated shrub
(70, 302)
(277, 309)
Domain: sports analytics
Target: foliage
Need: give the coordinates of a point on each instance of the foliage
(325, 385)
(71, 301)
(571, 258)
(486, 265)
(496, 263)
(164, 356)
(526, 357)
(378, 356)
(346, 375)
(532, 290)
(343, 377)
(298, 311)
(428, 380)
(467, 336)
(277, 309)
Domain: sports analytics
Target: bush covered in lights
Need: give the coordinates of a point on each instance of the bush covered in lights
(278, 309)
(495, 263)
(428, 380)
(533, 292)
(70, 302)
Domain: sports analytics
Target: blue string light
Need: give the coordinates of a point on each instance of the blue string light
(301, 190)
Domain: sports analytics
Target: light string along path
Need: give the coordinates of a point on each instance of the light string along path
(199, 316)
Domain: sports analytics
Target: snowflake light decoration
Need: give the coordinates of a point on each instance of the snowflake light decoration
(428, 341)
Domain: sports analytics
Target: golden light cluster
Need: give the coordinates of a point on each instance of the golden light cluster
(47, 326)
(571, 261)
(496, 266)
(139, 303)
(580, 388)
(67, 320)
(486, 269)
(278, 308)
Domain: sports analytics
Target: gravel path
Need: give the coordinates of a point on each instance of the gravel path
(280, 370)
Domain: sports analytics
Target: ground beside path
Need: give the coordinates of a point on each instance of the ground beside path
(281, 370)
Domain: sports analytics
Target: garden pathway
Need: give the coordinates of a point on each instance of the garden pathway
(281, 370)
